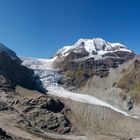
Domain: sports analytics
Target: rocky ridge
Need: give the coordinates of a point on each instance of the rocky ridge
(12, 72)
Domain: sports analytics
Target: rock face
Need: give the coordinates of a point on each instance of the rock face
(4, 136)
(3, 106)
(46, 114)
(12, 72)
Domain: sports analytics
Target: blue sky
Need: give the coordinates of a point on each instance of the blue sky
(37, 28)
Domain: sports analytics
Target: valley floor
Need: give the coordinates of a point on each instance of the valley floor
(9, 124)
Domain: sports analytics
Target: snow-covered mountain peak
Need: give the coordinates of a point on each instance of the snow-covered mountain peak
(94, 47)
(96, 43)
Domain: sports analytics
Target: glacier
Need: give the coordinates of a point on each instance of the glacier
(50, 77)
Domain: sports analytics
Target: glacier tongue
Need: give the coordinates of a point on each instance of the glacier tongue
(44, 69)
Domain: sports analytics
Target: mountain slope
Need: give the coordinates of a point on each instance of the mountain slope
(130, 82)
(87, 75)
(98, 118)
(87, 58)
(12, 72)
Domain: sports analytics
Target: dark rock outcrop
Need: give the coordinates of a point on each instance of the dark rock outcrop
(3, 106)
(44, 114)
(4, 136)
(13, 73)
